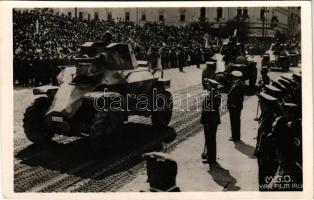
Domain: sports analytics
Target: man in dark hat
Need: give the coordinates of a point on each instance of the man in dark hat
(235, 105)
(161, 172)
(210, 119)
(267, 164)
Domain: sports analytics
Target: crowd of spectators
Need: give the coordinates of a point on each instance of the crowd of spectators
(42, 39)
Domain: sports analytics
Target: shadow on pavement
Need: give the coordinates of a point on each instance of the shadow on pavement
(223, 177)
(61, 157)
(245, 149)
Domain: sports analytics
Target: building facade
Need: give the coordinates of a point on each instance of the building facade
(263, 21)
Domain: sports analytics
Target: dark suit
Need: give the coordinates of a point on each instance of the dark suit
(235, 105)
(211, 119)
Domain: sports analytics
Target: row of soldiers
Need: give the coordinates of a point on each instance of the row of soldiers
(279, 139)
(29, 70)
(179, 56)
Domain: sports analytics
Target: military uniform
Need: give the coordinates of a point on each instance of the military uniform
(264, 150)
(153, 57)
(161, 172)
(235, 105)
(181, 59)
(286, 135)
(210, 118)
(264, 80)
(208, 72)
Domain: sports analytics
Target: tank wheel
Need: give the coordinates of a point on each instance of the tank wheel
(106, 131)
(34, 124)
(162, 117)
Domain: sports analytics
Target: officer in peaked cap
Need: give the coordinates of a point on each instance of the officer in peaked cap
(161, 172)
(297, 76)
(289, 79)
(235, 105)
(286, 83)
(210, 119)
(273, 91)
(280, 86)
(267, 164)
(236, 74)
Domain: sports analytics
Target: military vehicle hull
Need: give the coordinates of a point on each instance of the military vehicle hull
(97, 102)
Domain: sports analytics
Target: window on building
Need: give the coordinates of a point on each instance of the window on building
(80, 15)
(245, 12)
(143, 17)
(239, 11)
(219, 13)
(69, 14)
(182, 18)
(96, 15)
(109, 16)
(203, 14)
(291, 16)
(161, 17)
(274, 21)
(88, 16)
(127, 16)
(262, 14)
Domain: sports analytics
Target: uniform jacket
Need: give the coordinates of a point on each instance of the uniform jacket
(236, 96)
(211, 107)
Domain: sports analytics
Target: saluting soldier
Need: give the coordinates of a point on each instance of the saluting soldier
(264, 150)
(161, 172)
(207, 73)
(235, 105)
(210, 119)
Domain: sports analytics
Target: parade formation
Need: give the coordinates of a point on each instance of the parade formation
(100, 80)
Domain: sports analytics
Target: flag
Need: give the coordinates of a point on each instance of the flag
(37, 26)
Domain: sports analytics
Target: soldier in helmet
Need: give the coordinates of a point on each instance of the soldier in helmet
(210, 118)
(106, 38)
(161, 172)
(235, 105)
